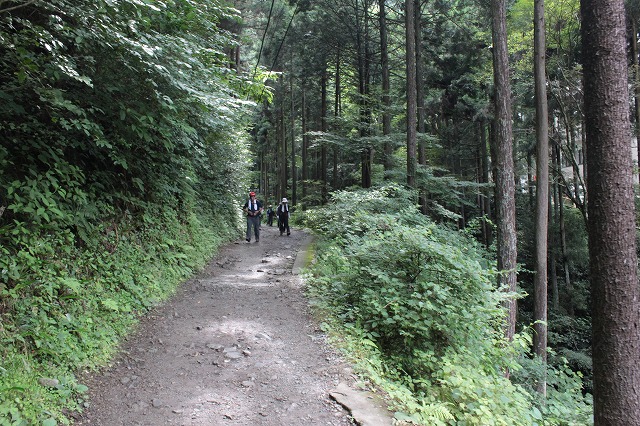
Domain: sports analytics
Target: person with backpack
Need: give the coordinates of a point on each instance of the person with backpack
(270, 214)
(283, 216)
(253, 210)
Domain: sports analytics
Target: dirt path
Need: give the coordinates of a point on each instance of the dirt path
(235, 346)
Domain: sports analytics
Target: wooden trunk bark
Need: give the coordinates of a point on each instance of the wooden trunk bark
(611, 216)
(385, 75)
(503, 166)
(411, 92)
(542, 192)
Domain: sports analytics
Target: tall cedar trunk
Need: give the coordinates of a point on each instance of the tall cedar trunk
(411, 93)
(563, 239)
(611, 218)
(530, 180)
(305, 142)
(554, 240)
(368, 60)
(421, 111)
(386, 99)
(336, 113)
(503, 166)
(294, 177)
(282, 144)
(636, 92)
(364, 76)
(553, 276)
(486, 209)
(542, 191)
(323, 129)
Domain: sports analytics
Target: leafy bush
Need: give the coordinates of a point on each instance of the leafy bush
(417, 305)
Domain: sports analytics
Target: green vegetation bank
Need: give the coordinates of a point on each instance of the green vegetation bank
(121, 159)
(415, 305)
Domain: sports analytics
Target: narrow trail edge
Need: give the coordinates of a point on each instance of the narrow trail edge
(236, 345)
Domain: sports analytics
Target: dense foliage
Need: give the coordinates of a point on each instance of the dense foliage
(120, 160)
(419, 308)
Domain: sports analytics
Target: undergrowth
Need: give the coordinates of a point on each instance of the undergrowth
(64, 307)
(415, 306)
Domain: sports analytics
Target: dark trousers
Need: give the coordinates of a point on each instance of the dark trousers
(253, 222)
(283, 222)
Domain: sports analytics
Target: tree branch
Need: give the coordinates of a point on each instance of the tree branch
(8, 9)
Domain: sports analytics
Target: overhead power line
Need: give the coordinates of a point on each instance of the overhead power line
(264, 35)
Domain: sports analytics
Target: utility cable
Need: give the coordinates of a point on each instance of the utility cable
(284, 37)
(255, 69)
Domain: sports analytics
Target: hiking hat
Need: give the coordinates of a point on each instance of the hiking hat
(284, 200)
(252, 194)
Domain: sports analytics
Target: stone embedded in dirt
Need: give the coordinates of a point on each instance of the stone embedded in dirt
(233, 355)
(265, 260)
(49, 383)
(156, 403)
(139, 406)
(214, 346)
(264, 336)
(248, 383)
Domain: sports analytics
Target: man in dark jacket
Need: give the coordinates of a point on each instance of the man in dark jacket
(283, 216)
(270, 214)
(253, 209)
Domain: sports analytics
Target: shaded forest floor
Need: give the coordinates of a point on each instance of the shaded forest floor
(235, 346)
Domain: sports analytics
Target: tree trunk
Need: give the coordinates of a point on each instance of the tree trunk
(386, 99)
(364, 76)
(530, 178)
(305, 142)
(282, 139)
(336, 113)
(503, 166)
(411, 93)
(542, 192)
(636, 75)
(486, 209)
(611, 218)
(553, 276)
(294, 177)
(420, 108)
(323, 129)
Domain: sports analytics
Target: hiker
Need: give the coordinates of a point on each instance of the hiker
(253, 209)
(270, 214)
(283, 216)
